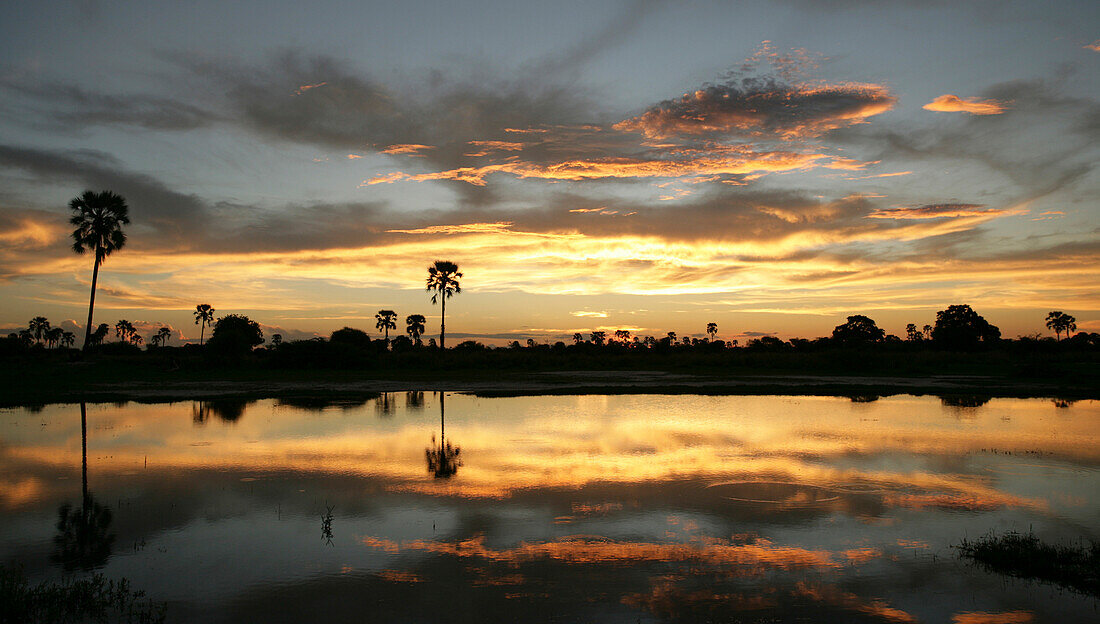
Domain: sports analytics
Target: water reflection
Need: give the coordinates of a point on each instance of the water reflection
(414, 400)
(83, 540)
(599, 508)
(385, 406)
(965, 400)
(227, 410)
(443, 461)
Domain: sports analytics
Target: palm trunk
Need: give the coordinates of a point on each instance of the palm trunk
(202, 331)
(91, 302)
(84, 454)
(443, 321)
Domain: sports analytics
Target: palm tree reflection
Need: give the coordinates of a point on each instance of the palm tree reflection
(443, 461)
(83, 537)
(228, 410)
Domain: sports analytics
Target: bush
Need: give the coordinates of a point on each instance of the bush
(235, 335)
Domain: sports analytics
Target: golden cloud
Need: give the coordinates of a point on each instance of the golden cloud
(954, 104)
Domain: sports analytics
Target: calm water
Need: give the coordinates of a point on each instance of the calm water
(575, 508)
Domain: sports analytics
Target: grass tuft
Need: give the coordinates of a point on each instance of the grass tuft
(1075, 567)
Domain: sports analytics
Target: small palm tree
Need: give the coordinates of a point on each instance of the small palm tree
(67, 339)
(577, 338)
(712, 330)
(414, 326)
(622, 335)
(386, 320)
(53, 336)
(126, 333)
(99, 334)
(203, 314)
(39, 326)
(276, 340)
(598, 337)
(26, 336)
(672, 338)
(98, 218)
(443, 283)
(164, 333)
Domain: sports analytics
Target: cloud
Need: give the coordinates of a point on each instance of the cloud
(954, 104)
(761, 106)
(587, 313)
(937, 211)
(1094, 46)
(68, 107)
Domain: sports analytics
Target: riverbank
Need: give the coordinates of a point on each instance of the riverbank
(79, 381)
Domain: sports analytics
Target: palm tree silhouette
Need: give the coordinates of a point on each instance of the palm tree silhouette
(39, 326)
(99, 334)
(67, 339)
(83, 537)
(1061, 322)
(443, 461)
(712, 330)
(622, 335)
(443, 280)
(98, 218)
(126, 333)
(204, 314)
(53, 336)
(385, 320)
(164, 334)
(414, 326)
(577, 338)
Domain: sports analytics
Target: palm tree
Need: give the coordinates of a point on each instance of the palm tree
(164, 334)
(598, 337)
(67, 339)
(622, 335)
(712, 330)
(39, 326)
(414, 326)
(126, 333)
(577, 338)
(99, 334)
(204, 314)
(443, 280)
(53, 336)
(672, 339)
(386, 320)
(98, 218)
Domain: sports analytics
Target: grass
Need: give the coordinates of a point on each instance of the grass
(94, 599)
(1075, 567)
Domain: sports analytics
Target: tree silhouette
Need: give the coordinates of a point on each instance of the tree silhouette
(443, 284)
(236, 334)
(858, 329)
(38, 326)
(203, 314)
(912, 334)
(712, 330)
(598, 337)
(386, 320)
(1061, 322)
(126, 333)
(577, 338)
(622, 335)
(83, 539)
(53, 336)
(276, 340)
(443, 461)
(98, 218)
(26, 337)
(414, 326)
(164, 333)
(960, 327)
(67, 339)
(99, 334)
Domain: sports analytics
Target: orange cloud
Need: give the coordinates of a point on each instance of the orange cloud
(302, 89)
(735, 161)
(1004, 617)
(954, 104)
(938, 211)
(412, 149)
(1094, 46)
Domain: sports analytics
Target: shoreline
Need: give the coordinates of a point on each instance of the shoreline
(555, 383)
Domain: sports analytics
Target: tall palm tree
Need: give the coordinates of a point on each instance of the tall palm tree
(39, 326)
(98, 218)
(1061, 322)
(443, 283)
(712, 330)
(204, 314)
(414, 326)
(386, 320)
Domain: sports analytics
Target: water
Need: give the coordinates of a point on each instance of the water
(557, 508)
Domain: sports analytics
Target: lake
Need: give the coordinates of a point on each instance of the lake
(417, 507)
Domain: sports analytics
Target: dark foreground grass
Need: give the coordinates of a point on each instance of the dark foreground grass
(94, 599)
(1075, 567)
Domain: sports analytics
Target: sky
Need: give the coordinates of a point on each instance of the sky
(772, 167)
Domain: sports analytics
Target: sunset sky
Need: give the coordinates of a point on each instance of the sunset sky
(654, 166)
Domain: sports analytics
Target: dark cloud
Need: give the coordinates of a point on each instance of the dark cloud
(68, 107)
(755, 106)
